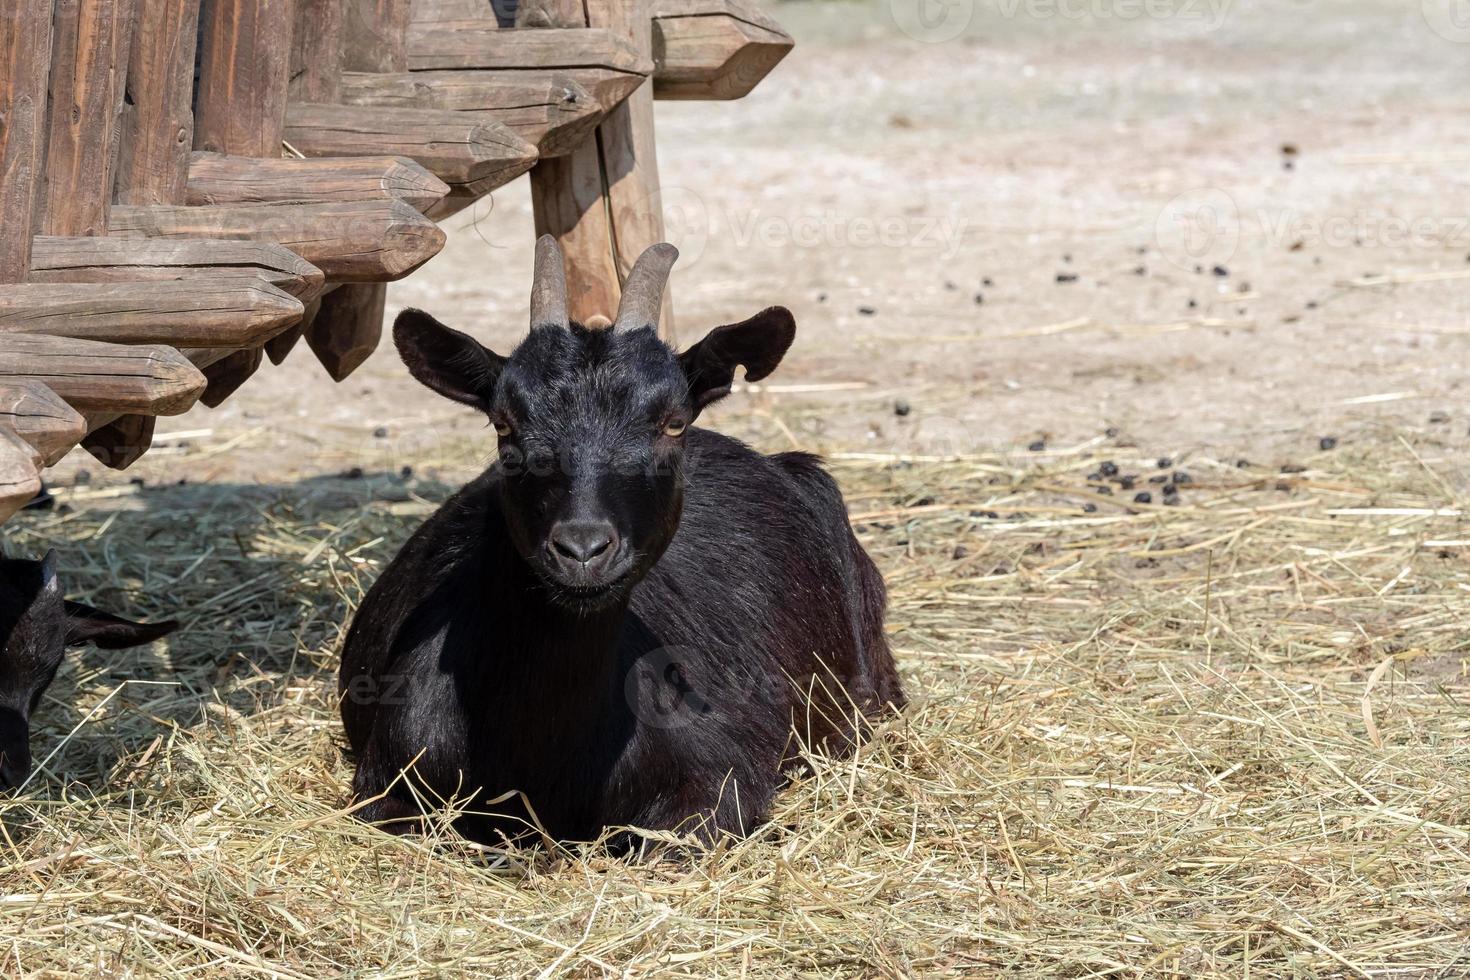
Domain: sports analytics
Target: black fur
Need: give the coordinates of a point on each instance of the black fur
(36, 625)
(738, 618)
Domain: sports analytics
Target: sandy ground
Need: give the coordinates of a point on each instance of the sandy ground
(1016, 231)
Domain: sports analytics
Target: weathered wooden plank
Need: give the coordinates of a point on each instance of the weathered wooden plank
(482, 43)
(217, 179)
(25, 58)
(347, 328)
(455, 147)
(713, 49)
(40, 417)
(316, 51)
(244, 75)
(375, 33)
(154, 259)
(549, 109)
(225, 376)
(222, 310)
(430, 12)
(90, 376)
(156, 131)
(20, 478)
(351, 241)
(89, 60)
(121, 442)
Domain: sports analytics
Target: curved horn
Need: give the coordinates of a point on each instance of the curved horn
(549, 285)
(643, 293)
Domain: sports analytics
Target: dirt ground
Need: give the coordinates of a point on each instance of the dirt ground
(1017, 232)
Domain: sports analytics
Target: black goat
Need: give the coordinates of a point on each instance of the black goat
(626, 621)
(36, 626)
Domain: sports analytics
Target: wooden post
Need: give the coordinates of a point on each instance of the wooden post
(316, 52)
(156, 133)
(89, 64)
(349, 322)
(602, 201)
(25, 58)
(244, 73)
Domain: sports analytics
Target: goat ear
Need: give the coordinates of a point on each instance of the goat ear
(87, 625)
(454, 364)
(758, 343)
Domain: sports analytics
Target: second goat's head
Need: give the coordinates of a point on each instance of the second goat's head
(592, 422)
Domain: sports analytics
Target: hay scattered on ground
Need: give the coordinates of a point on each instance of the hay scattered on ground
(1201, 739)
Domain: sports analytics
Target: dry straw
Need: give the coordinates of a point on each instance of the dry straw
(1223, 738)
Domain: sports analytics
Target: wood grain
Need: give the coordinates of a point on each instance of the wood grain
(89, 60)
(347, 328)
(40, 417)
(20, 479)
(217, 179)
(221, 310)
(244, 75)
(316, 51)
(25, 57)
(120, 443)
(154, 259)
(226, 375)
(481, 43)
(456, 147)
(91, 376)
(375, 33)
(156, 130)
(713, 49)
(549, 109)
(351, 241)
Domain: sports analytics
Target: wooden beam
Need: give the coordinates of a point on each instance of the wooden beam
(227, 375)
(156, 131)
(122, 260)
(375, 33)
(97, 377)
(351, 241)
(316, 51)
(216, 179)
(702, 49)
(121, 442)
(244, 73)
(282, 343)
(209, 311)
(89, 61)
(25, 58)
(20, 479)
(454, 146)
(40, 417)
(346, 329)
(90, 45)
(481, 43)
(550, 109)
(713, 49)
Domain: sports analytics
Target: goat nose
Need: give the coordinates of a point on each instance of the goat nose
(583, 541)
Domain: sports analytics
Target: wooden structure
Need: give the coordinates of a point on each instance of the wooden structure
(190, 186)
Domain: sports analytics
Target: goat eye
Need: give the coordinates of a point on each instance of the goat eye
(675, 429)
(502, 429)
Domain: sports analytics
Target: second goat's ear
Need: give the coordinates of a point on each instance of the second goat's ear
(452, 363)
(757, 344)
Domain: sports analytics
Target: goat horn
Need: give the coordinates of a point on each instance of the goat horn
(643, 292)
(549, 285)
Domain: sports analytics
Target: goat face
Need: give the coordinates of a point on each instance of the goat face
(36, 625)
(591, 422)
